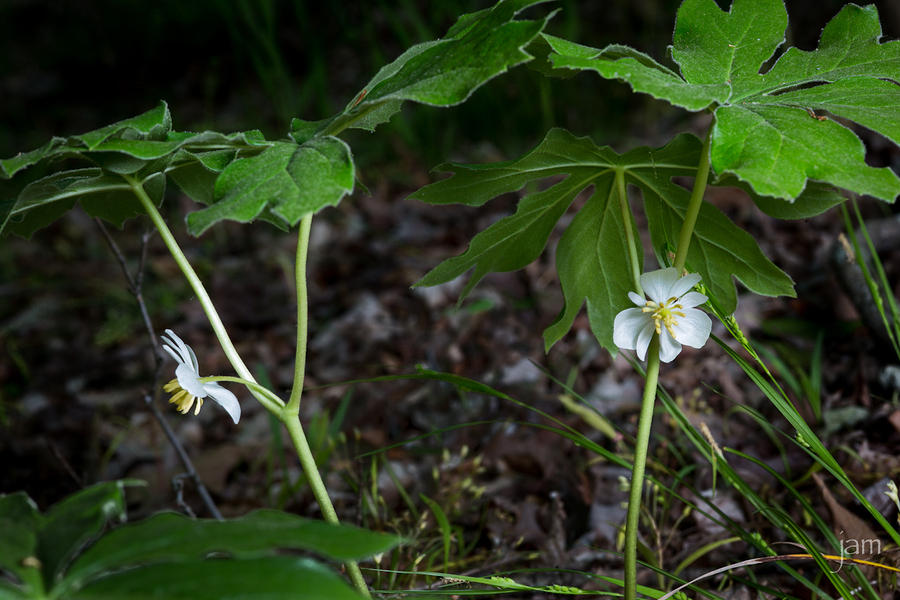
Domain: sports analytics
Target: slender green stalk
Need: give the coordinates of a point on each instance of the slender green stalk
(694, 204)
(270, 401)
(637, 474)
(629, 230)
(295, 430)
(302, 313)
(290, 414)
(645, 421)
(202, 296)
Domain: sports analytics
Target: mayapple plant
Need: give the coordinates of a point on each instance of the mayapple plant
(765, 137)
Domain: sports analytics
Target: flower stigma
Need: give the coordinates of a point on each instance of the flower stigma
(663, 314)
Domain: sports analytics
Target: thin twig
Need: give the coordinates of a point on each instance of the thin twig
(135, 286)
(183, 457)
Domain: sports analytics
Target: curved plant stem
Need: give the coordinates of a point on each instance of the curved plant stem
(637, 474)
(302, 312)
(295, 430)
(694, 204)
(269, 399)
(196, 285)
(290, 414)
(629, 230)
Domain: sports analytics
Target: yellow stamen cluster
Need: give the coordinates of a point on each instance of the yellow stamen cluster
(181, 398)
(664, 315)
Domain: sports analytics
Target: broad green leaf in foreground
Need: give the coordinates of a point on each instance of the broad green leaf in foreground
(68, 525)
(19, 520)
(443, 72)
(287, 179)
(270, 578)
(766, 130)
(170, 537)
(592, 253)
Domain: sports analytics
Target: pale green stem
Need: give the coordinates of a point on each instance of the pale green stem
(302, 312)
(295, 430)
(645, 420)
(289, 417)
(629, 230)
(218, 327)
(642, 442)
(694, 204)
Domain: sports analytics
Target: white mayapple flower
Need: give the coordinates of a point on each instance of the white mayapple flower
(667, 310)
(188, 387)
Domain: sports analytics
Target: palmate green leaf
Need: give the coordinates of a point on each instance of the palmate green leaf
(170, 537)
(592, 254)
(270, 578)
(593, 268)
(287, 180)
(151, 125)
(766, 132)
(815, 199)
(444, 72)
(143, 147)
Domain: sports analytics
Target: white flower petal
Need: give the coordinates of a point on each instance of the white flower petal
(225, 399)
(189, 381)
(180, 347)
(171, 347)
(683, 285)
(627, 326)
(693, 328)
(172, 353)
(643, 340)
(692, 299)
(668, 347)
(637, 299)
(657, 284)
(193, 359)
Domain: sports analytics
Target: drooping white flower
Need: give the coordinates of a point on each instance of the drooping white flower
(667, 310)
(187, 386)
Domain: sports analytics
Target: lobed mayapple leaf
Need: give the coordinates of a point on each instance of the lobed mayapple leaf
(37, 187)
(766, 131)
(151, 125)
(442, 72)
(590, 255)
(286, 180)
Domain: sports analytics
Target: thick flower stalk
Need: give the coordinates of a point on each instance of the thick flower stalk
(188, 387)
(666, 309)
